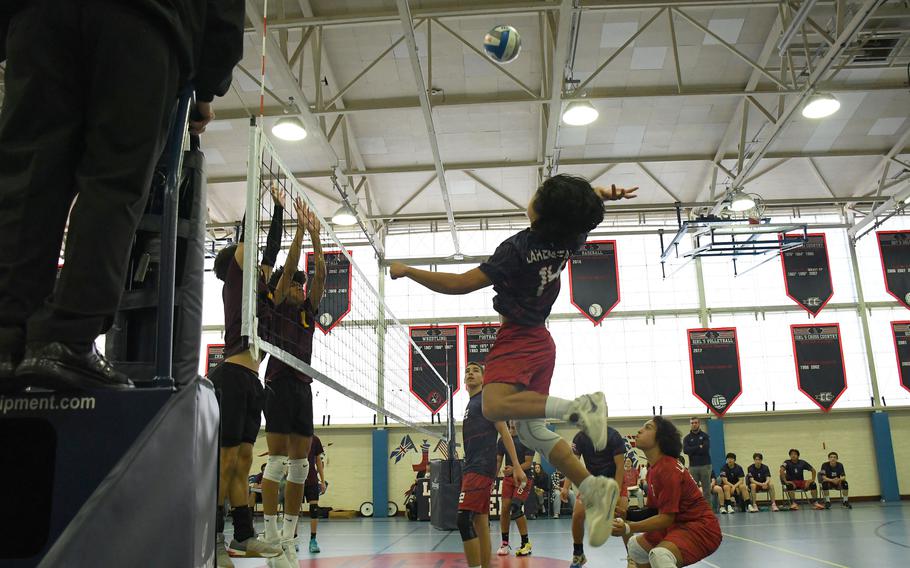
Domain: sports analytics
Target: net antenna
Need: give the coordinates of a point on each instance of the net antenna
(361, 350)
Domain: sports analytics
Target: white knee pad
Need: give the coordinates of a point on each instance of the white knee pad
(638, 554)
(661, 558)
(275, 468)
(298, 470)
(535, 435)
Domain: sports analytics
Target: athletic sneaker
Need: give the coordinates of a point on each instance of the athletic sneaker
(827, 504)
(774, 507)
(525, 549)
(731, 509)
(504, 550)
(290, 554)
(600, 503)
(254, 548)
(753, 508)
(794, 507)
(314, 546)
(818, 506)
(589, 414)
(222, 558)
(723, 510)
(578, 561)
(847, 505)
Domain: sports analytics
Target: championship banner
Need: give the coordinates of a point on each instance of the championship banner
(214, 355)
(440, 347)
(594, 279)
(478, 340)
(336, 302)
(894, 248)
(900, 330)
(807, 272)
(714, 362)
(819, 360)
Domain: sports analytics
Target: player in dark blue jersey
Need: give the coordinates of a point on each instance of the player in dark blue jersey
(514, 495)
(479, 471)
(832, 476)
(524, 272)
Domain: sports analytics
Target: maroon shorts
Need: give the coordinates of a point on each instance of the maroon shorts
(511, 491)
(521, 355)
(475, 493)
(695, 540)
(802, 484)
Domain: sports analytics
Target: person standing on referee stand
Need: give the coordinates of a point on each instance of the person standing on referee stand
(832, 476)
(697, 446)
(90, 89)
(314, 487)
(479, 471)
(514, 496)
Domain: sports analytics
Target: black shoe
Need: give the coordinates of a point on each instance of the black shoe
(827, 504)
(56, 366)
(847, 505)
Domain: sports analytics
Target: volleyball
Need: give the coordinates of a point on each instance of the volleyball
(502, 44)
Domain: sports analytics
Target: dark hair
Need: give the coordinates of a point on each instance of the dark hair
(758, 455)
(833, 454)
(566, 207)
(477, 364)
(731, 455)
(299, 277)
(223, 261)
(793, 450)
(695, 418)
(668, 438)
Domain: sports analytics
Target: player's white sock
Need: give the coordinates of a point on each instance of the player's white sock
(290, 527)
(271, 527)
(557, 408)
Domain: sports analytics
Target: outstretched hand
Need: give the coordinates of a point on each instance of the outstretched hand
(398, 270)
(277, 195)
(614, 193)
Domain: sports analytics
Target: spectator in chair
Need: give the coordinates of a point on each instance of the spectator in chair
(832, 476)
(733, 480)
(256, 488)
(717, 491)
(791, 478)
(697, 446)
(759, 479)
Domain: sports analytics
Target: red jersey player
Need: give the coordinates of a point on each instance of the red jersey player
(524, 272)
(684, 530)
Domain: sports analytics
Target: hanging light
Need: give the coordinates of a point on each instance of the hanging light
(289, 128)
(740, 201)
(820, 105)
(579, 113)
(344, 216)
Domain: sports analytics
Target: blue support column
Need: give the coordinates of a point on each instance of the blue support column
(380, 473)
(718, 447)
(884, 456)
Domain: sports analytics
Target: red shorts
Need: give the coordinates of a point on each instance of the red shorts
(695, 540)
(801, 484)
(510, 491)
(475, 493)
(521, 355)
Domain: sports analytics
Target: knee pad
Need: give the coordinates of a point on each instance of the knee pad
(535, 435)
(275, 468)
(661, 558)
(298, 471)
(466, 525)
(843, 485)
(517, 510)
(314, 511)
(638, 554)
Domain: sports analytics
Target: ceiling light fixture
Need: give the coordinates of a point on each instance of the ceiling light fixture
(740, 201)
(344, 216)
(579, 113)
(820, 105)
(289, 128)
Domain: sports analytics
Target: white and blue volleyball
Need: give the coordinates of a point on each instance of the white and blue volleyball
(502, 44)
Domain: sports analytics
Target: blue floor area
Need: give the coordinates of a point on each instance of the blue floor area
(871, 534)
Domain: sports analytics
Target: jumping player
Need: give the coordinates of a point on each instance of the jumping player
(478, 474)
(608, 462)
(314, 487)
(514, 495)
(290, 315)
(684, 530)
(524, 272)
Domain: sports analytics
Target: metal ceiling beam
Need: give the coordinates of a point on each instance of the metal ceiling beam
(881, 170)
(559, 67)
(280, 66)
(821, 179)
(500, 194)
(407, 25)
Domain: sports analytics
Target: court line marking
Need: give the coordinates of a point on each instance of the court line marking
(886, 539)
(779, 549)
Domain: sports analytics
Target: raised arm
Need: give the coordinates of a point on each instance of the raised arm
(317, 286)
(290, 266)
(442, 282)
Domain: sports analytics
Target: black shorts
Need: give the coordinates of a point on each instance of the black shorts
(240, 397)
(311, 492)
(288, 406)
(829, 485)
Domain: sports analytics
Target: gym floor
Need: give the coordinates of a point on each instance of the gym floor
(871, 534)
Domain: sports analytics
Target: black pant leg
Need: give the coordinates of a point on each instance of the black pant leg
(40, 145)
(131, 75)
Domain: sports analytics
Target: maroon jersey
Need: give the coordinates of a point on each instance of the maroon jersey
(525, 273)
(232, 296)
(671, 489)
(290, 329)
(316, 450)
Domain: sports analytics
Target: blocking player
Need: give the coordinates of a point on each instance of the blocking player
(684, 530)
(291, 319)
(514, 496)
(524, 272)
(608, 462)
(832, 476)
(478, 473)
